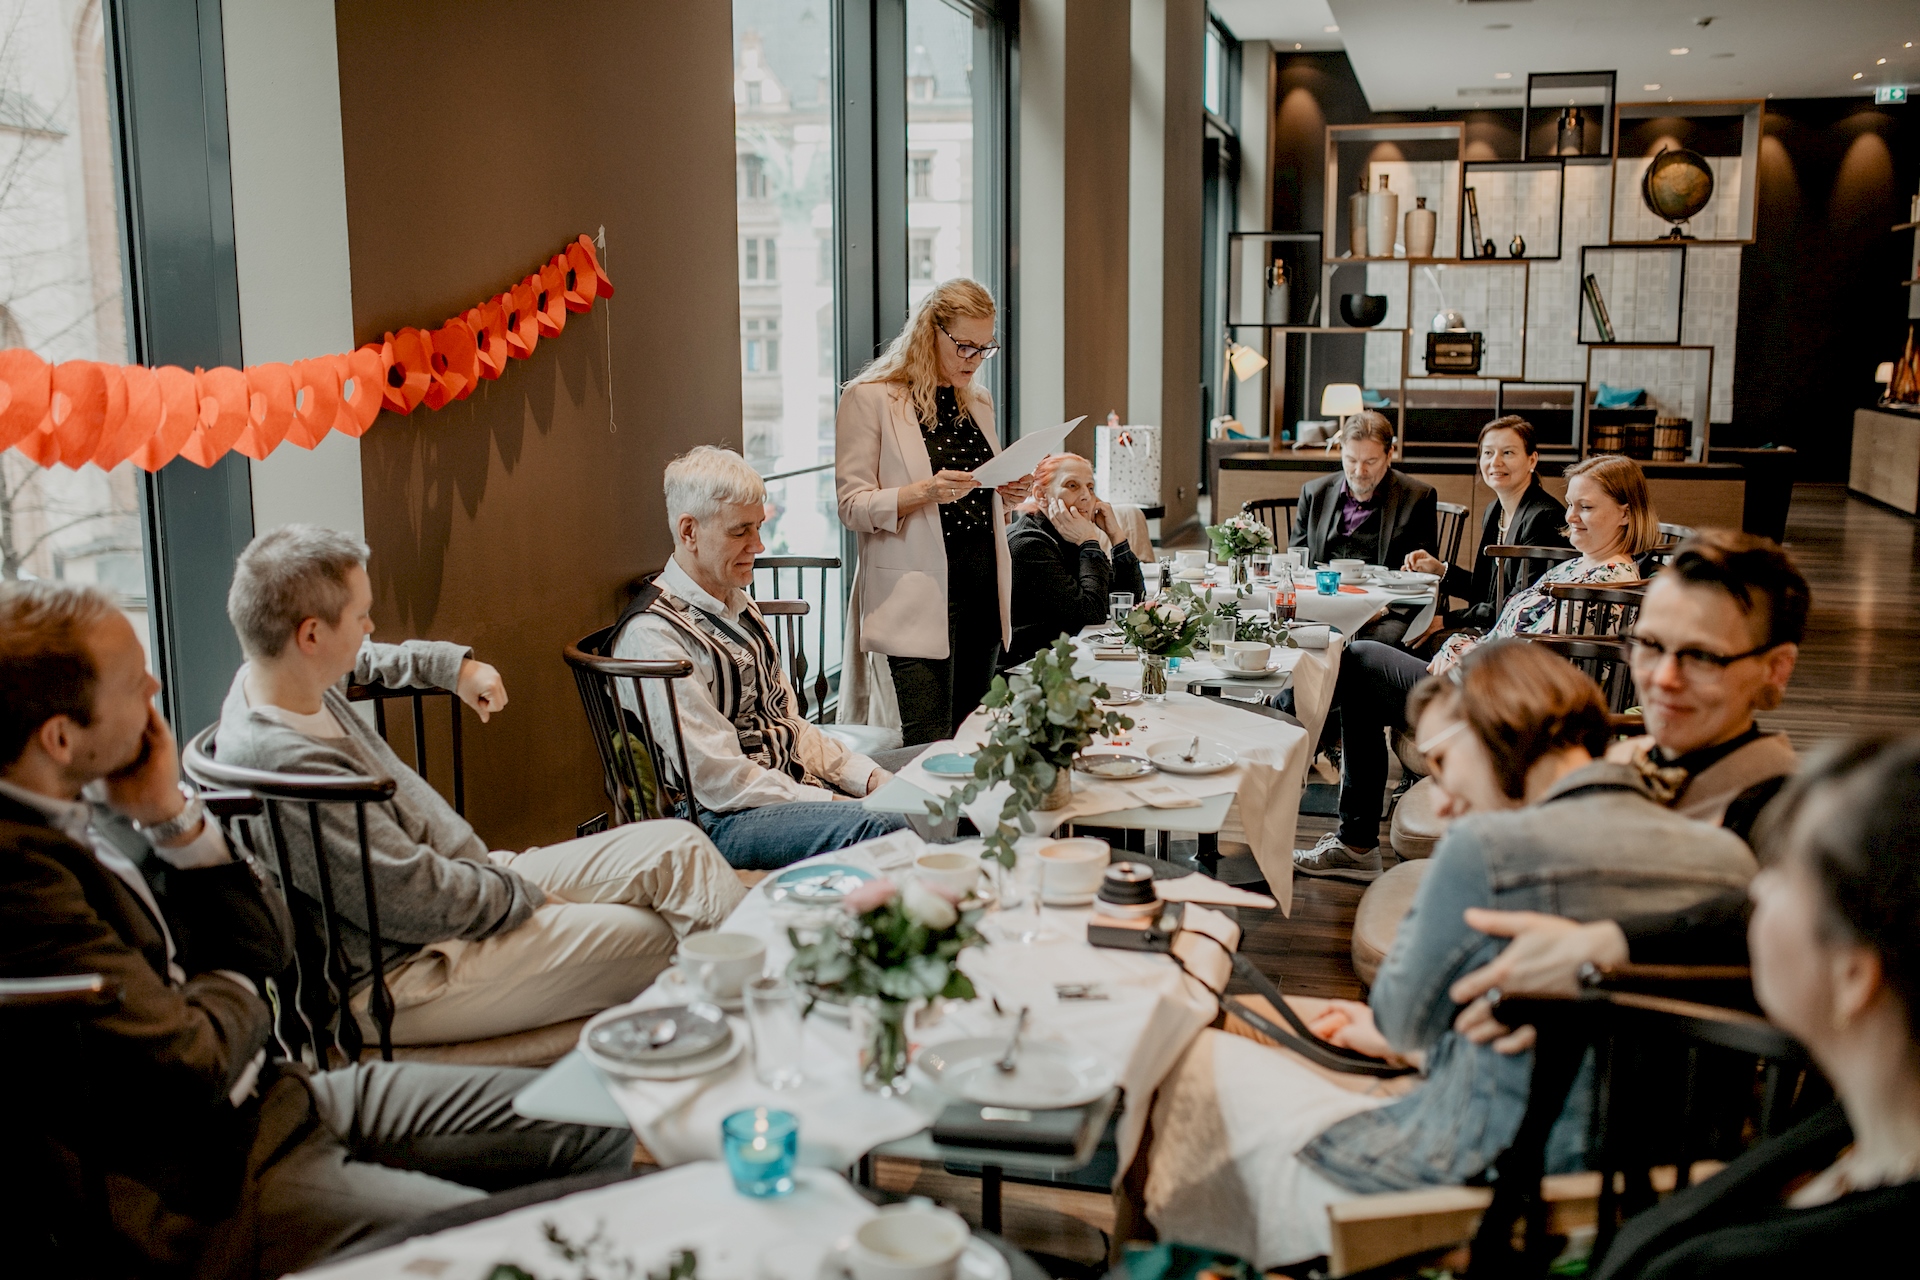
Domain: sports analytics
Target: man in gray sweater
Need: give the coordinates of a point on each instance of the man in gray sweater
(477, 942)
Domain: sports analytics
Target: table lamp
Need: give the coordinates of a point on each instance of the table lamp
(1244, 361)
(1340, 400)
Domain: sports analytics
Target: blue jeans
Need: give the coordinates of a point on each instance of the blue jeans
(775, 835)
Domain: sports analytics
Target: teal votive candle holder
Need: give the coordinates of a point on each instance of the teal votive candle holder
(1327, 581)
(761, 1146)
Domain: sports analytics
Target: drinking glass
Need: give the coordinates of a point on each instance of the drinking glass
(1119, 605)
(1327, 581)
(1219, 637)
(773, 1012)
(1262, 564)
(761, 1147)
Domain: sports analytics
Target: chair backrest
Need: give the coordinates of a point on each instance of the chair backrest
(1675, 1081)
(1515, 566)
(1453, 526)
(1583, 610)
(812, 699)
(786, 619)
(1602, 658)
(380, 695)
(322, 979)
(1671, 536)
(1276, 514)
(639, 774)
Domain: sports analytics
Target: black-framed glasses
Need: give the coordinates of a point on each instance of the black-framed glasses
(1696, 663)
(967, 350)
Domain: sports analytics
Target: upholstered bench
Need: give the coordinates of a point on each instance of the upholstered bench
(1382, 907)
(1417, 828)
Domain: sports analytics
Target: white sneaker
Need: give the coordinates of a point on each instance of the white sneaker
(1337, 861)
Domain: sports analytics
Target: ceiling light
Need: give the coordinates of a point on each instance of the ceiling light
(1857, 75)
(1508, 75)
(1330, 30)
(1677, 52)
(1881, 62)
(1649, 88)
(1296, 44)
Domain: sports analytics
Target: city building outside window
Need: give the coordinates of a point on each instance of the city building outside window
(921, 169)
(940, 143)
(920, 258)
(61, 290)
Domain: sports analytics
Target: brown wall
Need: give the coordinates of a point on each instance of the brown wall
(1183, 177)
(1099, 79)
(480, 137)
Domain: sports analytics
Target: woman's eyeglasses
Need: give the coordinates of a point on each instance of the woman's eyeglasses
(1694, 663)
(967, 350)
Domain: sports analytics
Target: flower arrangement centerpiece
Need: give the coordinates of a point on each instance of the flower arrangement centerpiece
(1236, 538)
(1167, 626)
(892, 947)
(1043, 717)
(1258, 627)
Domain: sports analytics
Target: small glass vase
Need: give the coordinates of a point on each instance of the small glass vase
(1153, 676)
(1242, 570)
(880, 1027)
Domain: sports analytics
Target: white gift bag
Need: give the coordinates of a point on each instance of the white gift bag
(1126, 464)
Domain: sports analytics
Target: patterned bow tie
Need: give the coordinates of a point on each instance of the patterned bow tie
(1665, 781)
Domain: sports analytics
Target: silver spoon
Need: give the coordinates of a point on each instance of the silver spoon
(664, 1032)
(1013, 1046)
(1193, 749)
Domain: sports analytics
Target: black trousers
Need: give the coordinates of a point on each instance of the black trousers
(936, 694)
(1371, 695)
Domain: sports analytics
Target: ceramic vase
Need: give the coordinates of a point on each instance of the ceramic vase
(1421, 225)
(1517, 247)
(1383, 219)
(1357, 204)
(1153, 676)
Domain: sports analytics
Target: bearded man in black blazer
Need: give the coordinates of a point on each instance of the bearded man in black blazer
(1370, 511)
(215, 1160)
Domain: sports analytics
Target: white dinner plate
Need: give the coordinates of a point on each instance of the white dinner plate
(683, 1069)
(1210, 758)
(978, 1262)
(1044, 1075)
(1113, 766)
(1235, 673)
(1397, 579)
(625, 1035)
(1119, 698)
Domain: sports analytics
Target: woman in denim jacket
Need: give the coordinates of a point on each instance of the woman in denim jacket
(1252, 1145)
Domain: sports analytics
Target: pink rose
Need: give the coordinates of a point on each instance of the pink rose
(871, 896)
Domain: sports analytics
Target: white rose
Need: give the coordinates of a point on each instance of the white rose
(1176, 615)
(926, 907)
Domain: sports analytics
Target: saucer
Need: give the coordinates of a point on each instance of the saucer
(1070, 899)
(1235, 673)
(977, 1261)
(674, 983)
(1119, 698)
(950, 764)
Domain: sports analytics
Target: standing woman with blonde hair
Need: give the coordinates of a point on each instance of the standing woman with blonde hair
(933, 592)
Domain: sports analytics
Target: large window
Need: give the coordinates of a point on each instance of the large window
(61, 292)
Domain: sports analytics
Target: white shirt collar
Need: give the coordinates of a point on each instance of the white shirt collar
(681, 583)
(70, 817)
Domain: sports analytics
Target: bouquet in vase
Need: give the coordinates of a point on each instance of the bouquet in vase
(1238, 536)
(1167, 626)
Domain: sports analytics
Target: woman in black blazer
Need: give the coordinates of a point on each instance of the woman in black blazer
(1069, 550)
(1525, 515)
(1836, 964)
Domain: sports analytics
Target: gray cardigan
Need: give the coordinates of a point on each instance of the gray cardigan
(431, 873)
(1596, 847)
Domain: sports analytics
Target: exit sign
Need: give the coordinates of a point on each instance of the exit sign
(1887, 93)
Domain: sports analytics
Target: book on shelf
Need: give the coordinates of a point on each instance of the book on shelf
(1598, 306)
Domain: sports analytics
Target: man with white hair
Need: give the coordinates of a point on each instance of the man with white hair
(478, 942)
(770, 785)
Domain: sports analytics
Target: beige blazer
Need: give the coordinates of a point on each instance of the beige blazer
(900, 589)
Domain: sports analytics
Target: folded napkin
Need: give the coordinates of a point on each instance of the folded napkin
(1311, 637)
(1202, 888)
(1159, 795)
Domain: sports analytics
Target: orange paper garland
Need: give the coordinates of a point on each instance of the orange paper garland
(82, 411)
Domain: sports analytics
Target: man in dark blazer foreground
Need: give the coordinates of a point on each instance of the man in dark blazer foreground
(1368, 510)
(215, 1160)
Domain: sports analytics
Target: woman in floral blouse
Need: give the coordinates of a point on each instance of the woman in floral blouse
(1610, 520)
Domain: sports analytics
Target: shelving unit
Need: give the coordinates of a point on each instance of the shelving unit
(1699, 382)
(1417, 159)
(1551, 92)
(1726, 133)
(1638, 274)
(1510, 198)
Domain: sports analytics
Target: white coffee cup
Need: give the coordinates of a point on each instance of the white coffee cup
(957, 873)
(719, 964)
(1190, 559)
(1248, 655)
(1350, 570)
(1073, 868)
(908, 1242)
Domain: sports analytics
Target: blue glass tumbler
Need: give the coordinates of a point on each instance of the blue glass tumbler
(761, 1146)
(1327, 581)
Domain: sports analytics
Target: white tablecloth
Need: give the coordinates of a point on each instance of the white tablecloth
(1266, 783)
(1152, 1012)
(647, 1219)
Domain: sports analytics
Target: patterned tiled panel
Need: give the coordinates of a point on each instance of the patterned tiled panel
(1437, 180)
(1640, 289)
(1720, 220)
(1493, 301)
(1526, 201)
(1713, 314)
(1554, 353)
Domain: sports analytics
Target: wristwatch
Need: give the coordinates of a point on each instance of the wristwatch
(187, 820)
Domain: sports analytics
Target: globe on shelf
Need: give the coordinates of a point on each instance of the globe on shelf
(1677, 186)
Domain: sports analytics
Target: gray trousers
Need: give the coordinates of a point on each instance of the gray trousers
(400, 1139)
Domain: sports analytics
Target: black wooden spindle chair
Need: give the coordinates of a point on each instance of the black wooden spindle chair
(812, 698)
(323, 979)
(380, 695)
(1516, 566)
(1277, 514)
(640, 776)
(1583, 610)
(1452, 528)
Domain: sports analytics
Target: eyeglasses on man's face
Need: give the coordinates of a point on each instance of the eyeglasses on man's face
(1695, 664)
(967, 350)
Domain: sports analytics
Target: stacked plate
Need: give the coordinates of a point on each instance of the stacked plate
(671, 1042)
(1045, 1074)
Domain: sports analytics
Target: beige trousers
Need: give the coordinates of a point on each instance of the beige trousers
(617, 905)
